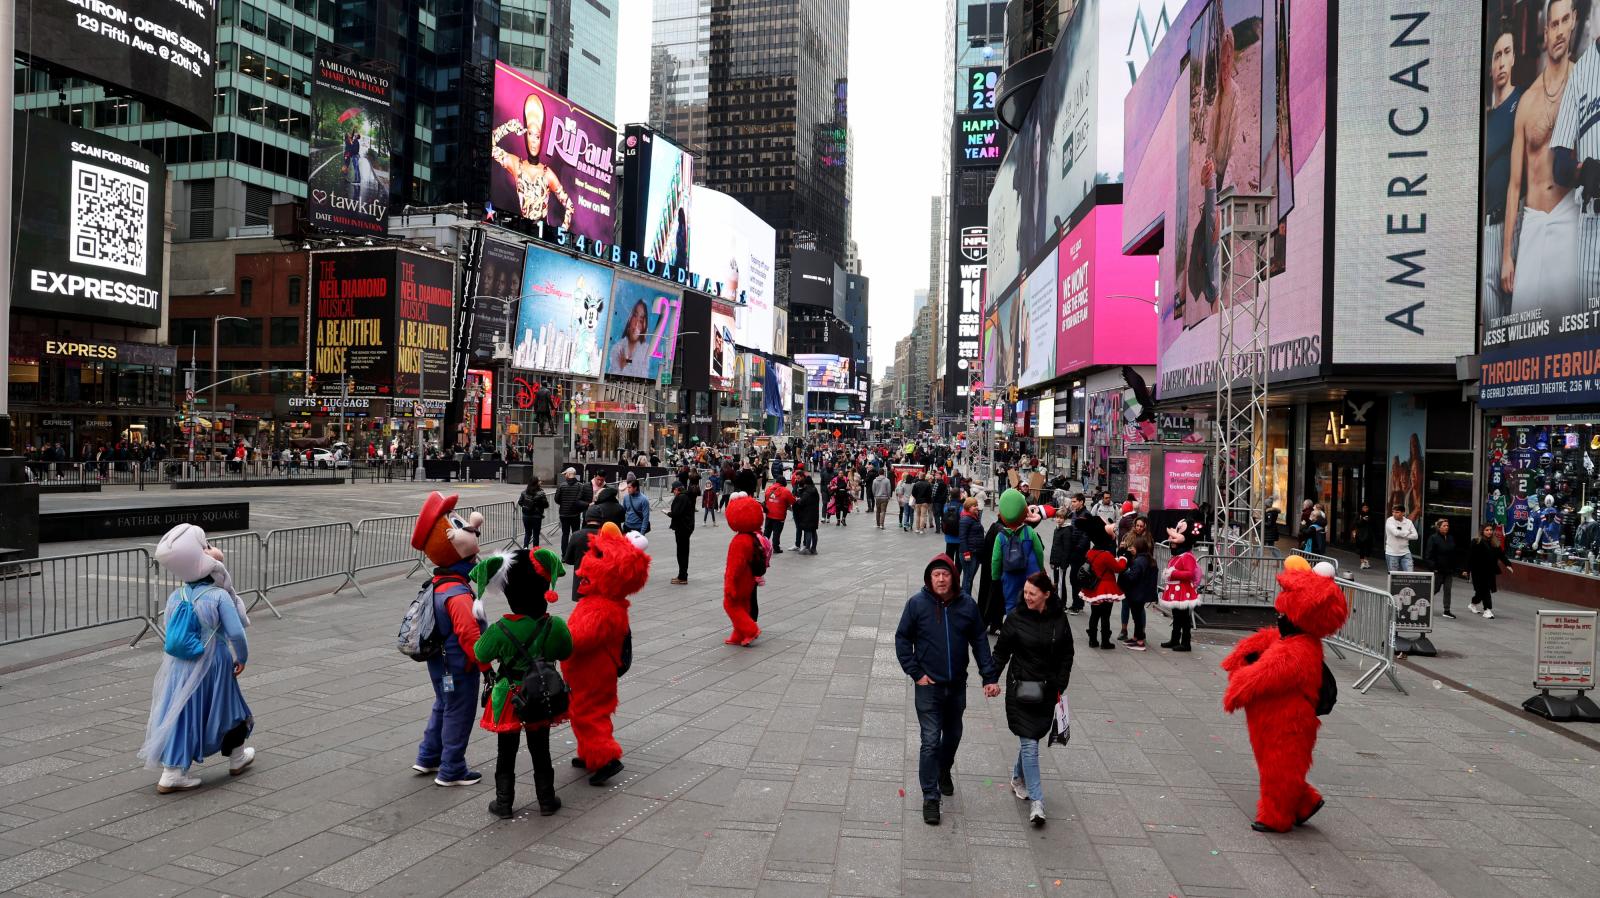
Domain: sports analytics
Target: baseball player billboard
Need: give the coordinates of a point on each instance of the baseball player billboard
(1540, 291)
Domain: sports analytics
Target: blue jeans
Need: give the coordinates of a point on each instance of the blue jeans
(939, 710)
(808, 539)
(444, 742)
(969, 572)
(1027, 767)
(905, 515)
(1398, 562)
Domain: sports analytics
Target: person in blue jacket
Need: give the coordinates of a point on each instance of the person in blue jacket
(939, 626)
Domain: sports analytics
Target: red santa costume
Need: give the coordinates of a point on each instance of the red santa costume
(1275, 675)
(1180, 595)
(614, 567)
(739, 578)
(1105, 592)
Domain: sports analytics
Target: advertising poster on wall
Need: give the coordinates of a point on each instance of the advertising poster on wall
(659, 185)
(499, 277)
(562, 314)
(723, 352)
(733, 247)
(1564, 650)
(554, 161)
(1408, 422)
(88, 221)
(644, 329)
(1036, 325)
(1181, 480)
(353, 322)
(424, 308)
(1139, 478)
(1412, 592)
(1107, 300)
(348, 189)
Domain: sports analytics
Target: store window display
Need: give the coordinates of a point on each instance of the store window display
(1540, 490)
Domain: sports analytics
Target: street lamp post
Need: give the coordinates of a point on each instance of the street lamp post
(215, 320)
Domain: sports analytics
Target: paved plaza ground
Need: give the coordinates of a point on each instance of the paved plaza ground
(784, 769)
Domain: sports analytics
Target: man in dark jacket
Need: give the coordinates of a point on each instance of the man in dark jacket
(682, 514)
(1077, 547)
(593, 519)
(939, 625)
(745, 481)
(572, 498)
(608, 506)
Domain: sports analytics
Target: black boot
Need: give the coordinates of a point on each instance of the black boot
(505, 796)
(544, 786)
(607, 772)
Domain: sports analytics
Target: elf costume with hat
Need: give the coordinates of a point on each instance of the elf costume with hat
(739, 579)
(1276, 676)
(614, 567)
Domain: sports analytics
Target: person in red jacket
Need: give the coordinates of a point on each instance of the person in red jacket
(1106, 592)
(777, 502)
(1275, 675)
(746, 556)
(1181, 594)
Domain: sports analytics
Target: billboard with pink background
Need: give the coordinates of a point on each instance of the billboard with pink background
(1181, 473)
(1106, 301)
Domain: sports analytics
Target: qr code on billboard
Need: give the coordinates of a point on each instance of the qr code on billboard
(110, 215)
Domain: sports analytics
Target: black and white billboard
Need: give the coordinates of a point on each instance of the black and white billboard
(88, 212)
(161, 51)
(816, 280)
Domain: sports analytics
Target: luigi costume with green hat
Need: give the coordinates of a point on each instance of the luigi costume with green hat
(1018, 550)
(527, 579)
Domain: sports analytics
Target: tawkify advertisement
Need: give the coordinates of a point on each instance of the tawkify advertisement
(1036, 325)
(353, 322)
(158, 50)
(659, 186)
(1181, 472)
(732, 254)
(644, 329)
(348, 190)
(722, 347)
(424, 309)
(87, 211)
(1540, 293)
(554, 161)
(499, 278)
(1107, 313)
(562, 314)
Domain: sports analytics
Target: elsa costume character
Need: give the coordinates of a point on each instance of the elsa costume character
(196, 708)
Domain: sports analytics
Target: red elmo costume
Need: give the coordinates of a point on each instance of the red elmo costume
(613, 569)
(1275, 675)
(738, 580)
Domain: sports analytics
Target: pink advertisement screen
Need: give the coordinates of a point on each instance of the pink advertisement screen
(1106, 301)
(1182, 474)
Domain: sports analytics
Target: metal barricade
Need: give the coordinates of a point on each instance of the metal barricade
(502, 524)
(1368, 632)
(380, 542)
(1315, 559)
(305, 554)
(46, 596)
(245, 554)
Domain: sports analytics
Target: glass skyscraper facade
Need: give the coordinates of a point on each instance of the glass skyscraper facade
(680, 72)
(591, 64)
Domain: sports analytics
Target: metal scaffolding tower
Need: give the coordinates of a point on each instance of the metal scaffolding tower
(1245, 233)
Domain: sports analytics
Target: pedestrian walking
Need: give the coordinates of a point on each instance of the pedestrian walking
(532, 503)
(969, 542)
(1363, 533)
(1035, 652)
(922, 499)
(1398, 534)
(708, 499)
(843, 500)
(572, 499)
(904, 502)
(991, 597)
(1441, 556)
(196, 707)
(938, 628)
(1018, 551)
(1104, 509)
(880, 496)
(681, 514)
(806, 510)
(777, 502)
(513, 646)
(1061, 551)
(950, 524)
(1484, 559)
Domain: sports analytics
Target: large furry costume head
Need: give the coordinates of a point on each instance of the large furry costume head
(1098, 531)
(1178, 537)
(614, 567)
(744, 515)
(1310, 598)
(1013, 509)
(526, 577)
(443, 535)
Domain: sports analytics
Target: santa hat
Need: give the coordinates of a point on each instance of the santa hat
(433, 509)
(520, 573)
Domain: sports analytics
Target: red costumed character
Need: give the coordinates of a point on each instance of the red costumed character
(739, 578)
(1106, 592)
(1276, 676)
(1181, 594)
(614, 567)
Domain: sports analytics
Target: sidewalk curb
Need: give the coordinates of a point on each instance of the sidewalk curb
(1480, 695)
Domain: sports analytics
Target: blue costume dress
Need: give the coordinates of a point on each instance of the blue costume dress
(196, 707)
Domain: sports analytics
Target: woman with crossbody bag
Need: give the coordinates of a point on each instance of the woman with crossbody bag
(1035, 651)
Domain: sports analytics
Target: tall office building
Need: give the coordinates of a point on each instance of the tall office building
(536, 37)
(680, 73)
(591, 64)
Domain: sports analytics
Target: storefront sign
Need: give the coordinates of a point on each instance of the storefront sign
(1413, 600)
(1563, 650)
(1173, 428)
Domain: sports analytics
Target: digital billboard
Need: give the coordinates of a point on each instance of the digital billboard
(968, 279)
(734, 248)
(158, 50)
(424, 309)
(353, 322)
(88, 212)
(981, 83)
(658, 185)
(722, 347)
(814, 280)
(979, 139)
(348, 189)
(1036, 325)
(1540, 235)
(644, 329)
(1000, 342)
(1106, 301)
(562, 314)
(499, 277)
(825, 373)
(554, 161)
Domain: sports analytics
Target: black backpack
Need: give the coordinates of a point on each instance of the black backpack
(1083, 575)
(1328, 693)
(951, 522)
(758, 558)
(542, 695)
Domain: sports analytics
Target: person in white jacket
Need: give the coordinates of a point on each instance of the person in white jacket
(1398, 534)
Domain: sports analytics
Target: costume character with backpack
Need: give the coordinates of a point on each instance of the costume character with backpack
(1181, 594)
(527, 694)
(748, 555)
(196, 707)
(1278, 677)
(1104, 591)
(1018, 550)
(614, 567)
(441, 628)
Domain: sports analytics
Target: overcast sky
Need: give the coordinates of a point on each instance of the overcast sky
(896, 117)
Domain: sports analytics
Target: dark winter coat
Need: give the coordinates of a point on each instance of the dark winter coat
(1440, 554)
(607, 507)
(682, 511)
(807, 507)
(1483, 563)
(745, 482)
(572, 497)
(936, 640)
(1034, 646)
(991, 600)
(1138, 582)
(970, 535)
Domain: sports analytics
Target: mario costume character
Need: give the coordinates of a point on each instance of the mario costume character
(614, 567)
(1018, 551)
(451, 543)
(746, 555)
(529, 633)
(1105, 592)
(1276, 676)
(1181, 595)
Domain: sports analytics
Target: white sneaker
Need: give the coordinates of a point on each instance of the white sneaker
(422, 768)
(1019, 787)
(1475, 608)
(1036, 813)
(240, 759)
(1488, 615)
(175, 779)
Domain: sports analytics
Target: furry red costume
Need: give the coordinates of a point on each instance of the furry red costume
(613, 568)
(738, 580)
(1275, 675)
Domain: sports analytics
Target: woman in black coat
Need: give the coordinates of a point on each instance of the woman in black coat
(807, 505)
(991, 600)
(1035, 650)
(1484, 558)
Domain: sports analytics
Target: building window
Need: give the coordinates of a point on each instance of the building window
(237, 333)
(285, 332)
(294, 291)
(247, 291)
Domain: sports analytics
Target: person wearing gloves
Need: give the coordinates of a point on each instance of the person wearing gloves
(1398, 535)
(1036, 644)
(196, 707)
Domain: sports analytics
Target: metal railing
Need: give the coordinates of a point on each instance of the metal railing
(380, 542)
(245, 555)
(306, 554)
(46, 596)
(1368, 632)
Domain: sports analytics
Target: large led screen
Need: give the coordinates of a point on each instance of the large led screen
(350, 148)
(733, 247)
(723, 352)
(424, 309)
(562, 314)
(554, 161)
(660, 191)
(644, 329)
(381, 318)
(1036, 325)
(825, 373)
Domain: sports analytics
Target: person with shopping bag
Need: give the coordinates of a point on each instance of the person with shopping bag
(1035, 653)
